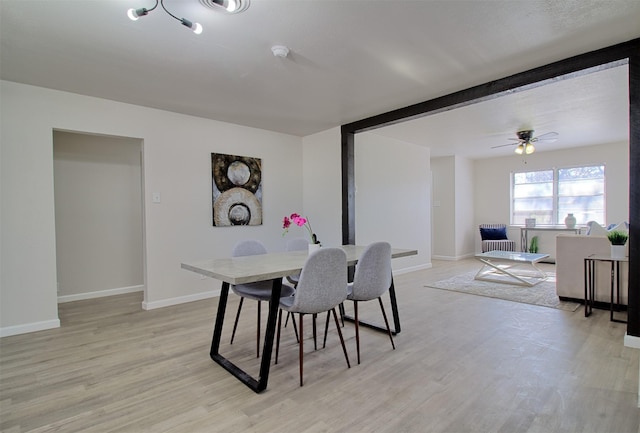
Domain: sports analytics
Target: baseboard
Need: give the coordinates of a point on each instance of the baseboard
(180, 300)
(8, 331)
(453, 258)
(632, 341)
(99, 294)
(412, 269)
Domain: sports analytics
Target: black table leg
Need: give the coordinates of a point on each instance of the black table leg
(588, 286)
(270, 333)
(241, 375)
(394, 311)
(613, 264)
(617, 303)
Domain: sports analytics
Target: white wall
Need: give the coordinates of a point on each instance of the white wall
(176, 163)
(453, 207)
(393, 196)
(492, 183)
(98, 208)
(444, 207)
(465, 204)
(322, 185)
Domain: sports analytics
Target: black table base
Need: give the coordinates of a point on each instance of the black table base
(260, 384)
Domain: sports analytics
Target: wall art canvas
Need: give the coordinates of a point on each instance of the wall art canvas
(237, 190)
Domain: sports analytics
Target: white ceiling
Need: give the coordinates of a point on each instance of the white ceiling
(349, 59)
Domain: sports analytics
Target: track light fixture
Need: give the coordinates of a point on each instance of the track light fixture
(230, 6)
(134, 14)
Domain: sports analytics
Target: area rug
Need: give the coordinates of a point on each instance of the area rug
(543, 294)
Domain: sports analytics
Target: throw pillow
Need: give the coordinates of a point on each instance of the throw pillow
(493, 234)
(621, 227)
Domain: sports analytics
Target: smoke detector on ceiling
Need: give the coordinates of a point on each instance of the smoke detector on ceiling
(280, 51)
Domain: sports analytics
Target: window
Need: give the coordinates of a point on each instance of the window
(549, 195)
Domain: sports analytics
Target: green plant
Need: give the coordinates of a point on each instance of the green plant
(533, 246)
(617, 237)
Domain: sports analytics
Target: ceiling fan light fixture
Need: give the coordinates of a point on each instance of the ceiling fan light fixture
(526, 139)
(520, 149)
(529, 148)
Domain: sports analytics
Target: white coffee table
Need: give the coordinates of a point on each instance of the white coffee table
(511, 268)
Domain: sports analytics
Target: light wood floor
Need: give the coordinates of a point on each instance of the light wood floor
(463, 363)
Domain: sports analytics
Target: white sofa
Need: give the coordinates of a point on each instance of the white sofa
(571, 251)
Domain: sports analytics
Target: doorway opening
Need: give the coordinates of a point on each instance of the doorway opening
(98, 215)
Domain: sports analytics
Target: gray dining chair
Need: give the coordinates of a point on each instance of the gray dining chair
(371, 280)
(259, 291)
(296, 244)
(322, 287)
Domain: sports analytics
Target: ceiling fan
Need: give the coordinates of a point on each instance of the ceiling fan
(525, 141)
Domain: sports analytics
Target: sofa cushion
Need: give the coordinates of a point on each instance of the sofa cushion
(596, 229)
(493, 234)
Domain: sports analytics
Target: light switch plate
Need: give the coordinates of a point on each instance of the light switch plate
(155, 197)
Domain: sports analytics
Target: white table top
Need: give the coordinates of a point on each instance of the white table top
(249, 269)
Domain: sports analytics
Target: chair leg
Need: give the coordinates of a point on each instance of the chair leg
(386, 322)
(301, 351)
(258, 333)
(326, 329)
(235, 324)
(295, 327)
(315, 332)
(357, 323)
(344, 348)
(342, 314)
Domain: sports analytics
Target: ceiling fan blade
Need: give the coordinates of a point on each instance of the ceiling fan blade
(549, 137)
(503, 145)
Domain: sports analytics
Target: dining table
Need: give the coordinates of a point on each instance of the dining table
(263, 267)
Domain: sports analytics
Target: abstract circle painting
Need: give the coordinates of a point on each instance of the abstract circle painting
(237, 190)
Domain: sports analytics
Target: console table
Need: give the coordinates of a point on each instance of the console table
(524, 234)
(590, 283)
